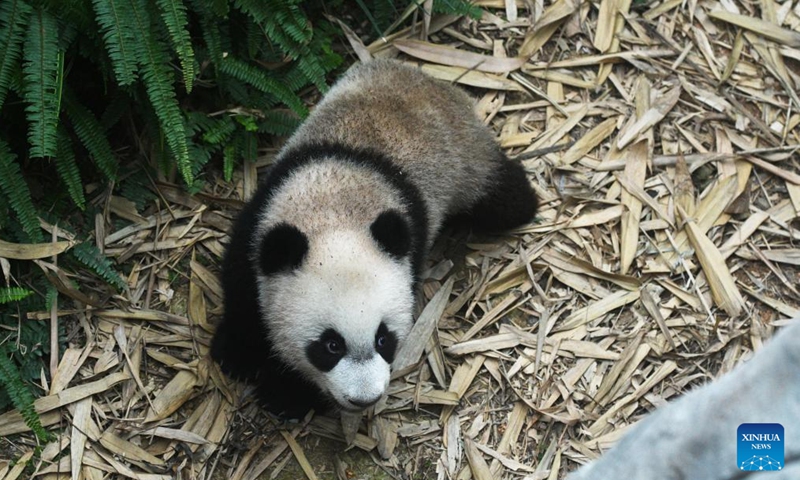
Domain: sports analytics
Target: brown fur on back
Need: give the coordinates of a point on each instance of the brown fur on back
(427, 127)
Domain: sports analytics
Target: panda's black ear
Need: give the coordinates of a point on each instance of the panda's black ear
(392, 233)
(283, 248)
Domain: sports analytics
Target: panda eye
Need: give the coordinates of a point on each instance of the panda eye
(380, 342)
(333, 347)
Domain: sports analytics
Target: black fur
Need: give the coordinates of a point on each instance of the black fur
(389, 347)
(509, 203)
(391, 232)
(241, 344)
(283, 248)
(320, 356)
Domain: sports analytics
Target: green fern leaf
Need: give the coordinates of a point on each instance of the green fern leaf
(200, 156)
(457, 7)
(173, 13)
(116, 108)
(50, 297)
(116, 19)
(228, 161)
(92, 135)
(220, 131)
(67, 169)
(314, 70)
(209, 14)
(13, 294)
(20, 394)
(42, 77)
(258, 79)
(158, 83)
(278, 122)
(249, 146)
(92, 257)
(15, 15)
(13, 186)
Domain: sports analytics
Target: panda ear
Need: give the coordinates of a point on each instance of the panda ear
(392, 233)
(283, 248)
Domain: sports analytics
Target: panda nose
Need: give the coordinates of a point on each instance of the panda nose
(359, 402)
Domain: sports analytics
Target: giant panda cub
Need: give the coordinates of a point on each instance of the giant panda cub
(319, 276)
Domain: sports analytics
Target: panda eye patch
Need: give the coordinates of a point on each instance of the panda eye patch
(326, 351)
(385, 343)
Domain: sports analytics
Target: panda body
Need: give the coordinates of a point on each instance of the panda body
(320, 273)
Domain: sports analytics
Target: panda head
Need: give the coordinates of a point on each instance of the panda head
(339, 303)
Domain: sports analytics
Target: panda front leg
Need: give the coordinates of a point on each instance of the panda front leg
(508, 202)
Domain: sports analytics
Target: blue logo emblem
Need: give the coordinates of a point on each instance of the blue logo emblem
(759, 446)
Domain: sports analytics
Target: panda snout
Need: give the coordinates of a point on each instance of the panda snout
(364, 403)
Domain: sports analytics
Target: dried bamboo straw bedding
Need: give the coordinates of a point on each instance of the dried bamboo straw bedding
(696, 436)
(662, 139)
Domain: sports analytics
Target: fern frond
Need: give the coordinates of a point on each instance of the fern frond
(209, 26)
(457, 7)
(13, 294)
(278, 122)
(15, 15)
(50, 297)
(92, 135)
(198, 122)
(158, 83)
(249, 146)
(220, 7)
(67, 169)
(228, 161)
(220, 131)
(20, 394)
(200, 156)
(313, 69)
(116, 19)
(13, 186)
(41, 69)
(258, 79)
(136, 188)
(173, 13)
(118, 106)
(158, 153)
(93, 258)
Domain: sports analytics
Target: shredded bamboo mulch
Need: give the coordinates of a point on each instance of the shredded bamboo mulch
(662, 138)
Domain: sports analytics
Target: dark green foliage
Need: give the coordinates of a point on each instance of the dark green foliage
(116, 21)
(386, 15)
(13, 294)
(259, 79)
(14, 15)
(173, 13)
(23, 344)
(136, 187)
(14, 188)
(92, 78)
(42, 79)
(157, 79)
(67, 169)
(92, 135)
(89, 255)
(457, 7)
(19, 393)
(229, 161)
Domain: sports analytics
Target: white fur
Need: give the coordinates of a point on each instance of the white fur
(329, 195)
(348, 284)
(362, 381)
